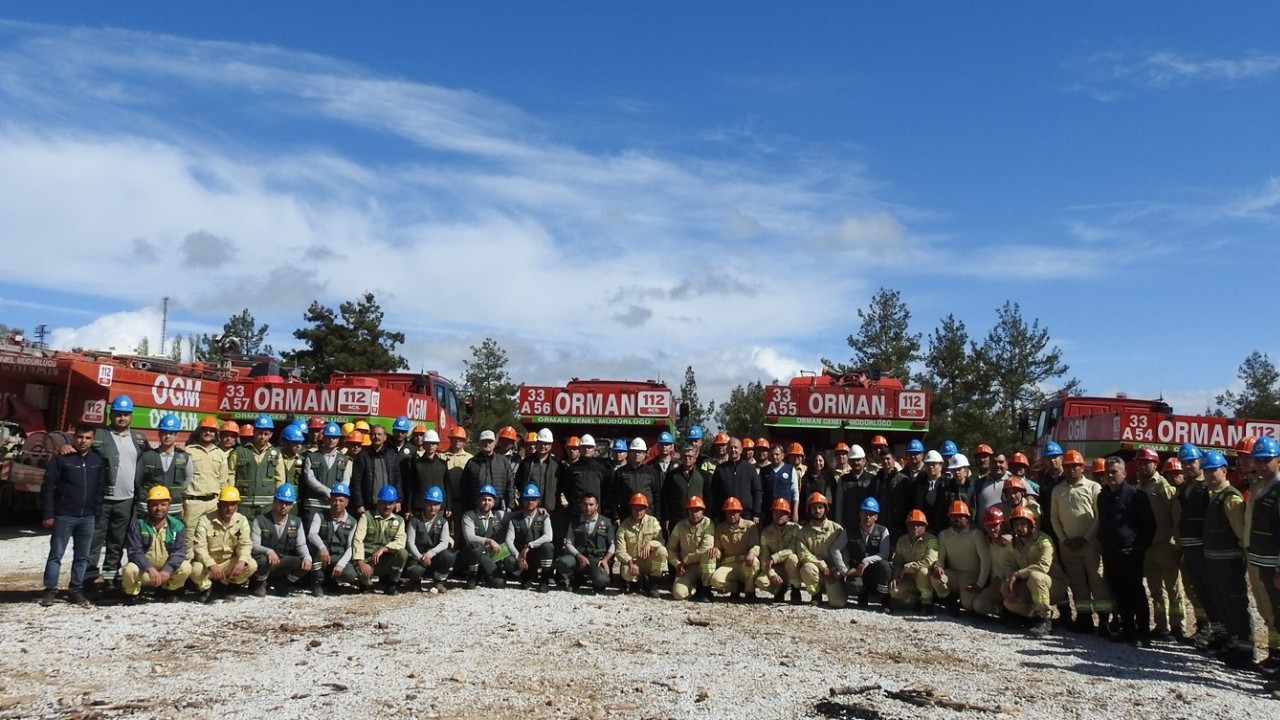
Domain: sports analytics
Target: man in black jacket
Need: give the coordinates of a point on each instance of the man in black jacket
(489, 467)
(376, 466)
(70, 499)
(683, 481)
(739, 479)
(636, 477)
(1126, 527)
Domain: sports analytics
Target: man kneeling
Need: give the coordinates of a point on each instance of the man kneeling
(157, 550)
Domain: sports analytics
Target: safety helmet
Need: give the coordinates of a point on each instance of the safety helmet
(665, 438)
(1019, 459)
(340, 489)
(1173, 464)
(638, 445)
(531, 437)
(695, 503)
(879, 441)
(363, 426)
(388, 494)
(1099, 465)
(458, 433)
(957, 461)
(933, 456)
(401, 424)
(433, 495)
(795, 448)
(870, 505)
(169, 423)
(292, 434)
(1022, 512)
(158, 492)
(857, 453)
(348, 427)
(229, 494)
(489, 490)
(993, 516)
(781, 504)
(263, 422)
(1146, 454)
(721, 439)
(1213, 460)
(948, 448)
(983, 449)
(1051, 450)
(619, 445)
(1072, 457)
(817, 499)
(246, 430)
(422, 430)
(1188, 452)
(315, 423)
(508, 433)
(695, 433)
(1014, 483)
(531, 492)
(748, 444)
(1265, 448)
(287, 493)
(639, 499)
(208, 421)
(841, 448)
(544, 436)
(959, 507)
(122, 404)
(230, 426)
(1245, 445)
(587, 440)
(762, 443)
(916, 517)
(573, 442)
(732, 504)
(355, 436)
(364, 439)
(914, 447)
(301, 422)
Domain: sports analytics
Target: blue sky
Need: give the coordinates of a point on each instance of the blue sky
(621, 191)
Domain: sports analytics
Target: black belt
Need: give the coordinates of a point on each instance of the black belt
(202, 497)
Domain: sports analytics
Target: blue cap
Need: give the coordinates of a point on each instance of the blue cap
(695, 433)
(293, 433)
(1265, 448)
(287, 493)
(122, 404)
(333, 430)
(170, 423)
(340, 489)
(531, 492)
(264, 422)
(489, 490)
(388, 494)
(401, 424)
(948, 449)
(1188, 452)
(1051, 450)
(619, 445)
(871, 505)
(1213, 460)
(665, 438)
(433, 494)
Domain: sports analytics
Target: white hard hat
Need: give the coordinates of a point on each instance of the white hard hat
(638, 444)
(487, 435)
(933, 456)
(544, 436)
(587, 441)
(431, 436)
(857, 453)
(957, 461)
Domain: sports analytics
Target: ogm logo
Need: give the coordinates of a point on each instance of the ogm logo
(176, 392)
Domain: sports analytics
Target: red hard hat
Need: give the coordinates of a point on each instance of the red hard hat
(695, 503)
(1173, 464)
(993, 516)
(879, 440)
(1246, 444)
(782, 504)
(1146, 454)
(983, 449)
(639, 499)
(1099, 465)
(316, 423)
(732, 504)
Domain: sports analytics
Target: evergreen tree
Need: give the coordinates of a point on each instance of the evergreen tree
(884, 341)
(350, 340)
(1016, 360)
(1260, 398)
(960, 396)
(487, 383)
(742, 415)
(698, 413)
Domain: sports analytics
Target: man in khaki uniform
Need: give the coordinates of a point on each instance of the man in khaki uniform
(736, 552)
(913, 560)
(223, 547)
(1027, 586)
(964, 564)
(378, 546)
(990, 599)
(1014, 492)
(1261, 467)
(687, 550)
(1074, 516)
(780, 565)
(209, 474)
(640, 551)
(156, 550)
(1160, 564)
(820, 544)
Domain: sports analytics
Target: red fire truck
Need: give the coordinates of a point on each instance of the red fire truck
(820, 409)
(607, 409)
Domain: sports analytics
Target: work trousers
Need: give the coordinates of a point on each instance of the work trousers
(440, 566)
(289, 568)
(349, 575)
(108, 533)
(1226, 584)
(1267, 597)
(1124, 577)
(192, 511)
(914, 587)
(990, 599)
(653, 567)
(812, 579)
(567, 565)
(873, 584)
(203, 581)
(388, 569)
(1195, 575)
(477, 561)
(733, 573)
(77, 530)
(955, 582)
(1160, 567)
(539, 561)
(1084, 573)
(1030, 597)
(784, 563)
(133, 578)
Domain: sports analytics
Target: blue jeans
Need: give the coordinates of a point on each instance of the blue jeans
(69, 528)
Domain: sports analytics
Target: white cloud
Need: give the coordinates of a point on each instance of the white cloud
(121, 331)
(1106, 72)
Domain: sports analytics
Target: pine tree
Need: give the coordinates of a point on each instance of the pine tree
(351, 340)
(1016, 359)
(490, 388)
(1260, 398)
(884, 340)
(742, 415)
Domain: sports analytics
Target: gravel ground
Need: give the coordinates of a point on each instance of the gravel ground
(508, 653)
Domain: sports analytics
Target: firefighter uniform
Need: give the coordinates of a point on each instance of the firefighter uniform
(255, 474)
(819, 547)
(687, 547)
(632, 536)
(147, 547)
(333, 535)
(1031, 559)
(778, 557)
(1160, 564)
(1225, 571)
(1075, 515)
(1190, 503)
(223, 544)
(739, 561)
(1263, 533)
(288, 541)
(965, 560)
(912, 560)
(990, 598)
(373, 531)
(209, 474)
(594, 540)
(429, 539)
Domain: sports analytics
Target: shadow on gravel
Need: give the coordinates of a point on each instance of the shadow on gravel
(10, 532)
(1103, 659)
(17, 597)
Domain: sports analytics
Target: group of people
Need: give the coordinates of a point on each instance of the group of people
(359, 507)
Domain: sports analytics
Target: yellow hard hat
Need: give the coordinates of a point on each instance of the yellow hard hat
(158, 492)
(348, 427)
(229, 494)
(365, 441)
(362, 426)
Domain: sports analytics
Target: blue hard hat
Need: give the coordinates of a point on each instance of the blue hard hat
(287, 493)
(915, 446)
(948, 449)
(489, 490)
(433, 494)
(264, 422)
(531, 492)
(293, 433)
(332, 430)
(1188, 452)
(695, 433)
(619, 445)
(1051, 450)
(299, 422)
(1213, 460)
(340, 489)
(1265, 448)
(122, 404)
(401, 424)
(388, 494)
(871, 505)
(665, 438)
(169, 423)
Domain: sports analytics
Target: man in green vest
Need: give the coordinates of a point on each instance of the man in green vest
(378, 546)
(529, 540)
(120, 447)
(330, 534)
(482, 551)
(589, 548)
(280, 546)
(156, 550)
(165, 466)
(289, 469)
(322, 470)
(1224, 562)
(429, 543)
(255, 468)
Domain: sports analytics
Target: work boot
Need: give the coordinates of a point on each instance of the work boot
(391, 587)
(78, 599)
(735, 596)
(816, 600)
(440, 585)
(1083, 624)
(258, 588)
(780, 594)
(1041, 628)
(702, 594)
(131, 600)
(749, 596)
(795, 596)
(205, 597)
(49, 598)
(1063, 620)
(926, 609)
(1009, 618)
(472, 581)
(1271, 666)
(654, 590)
(317, 588)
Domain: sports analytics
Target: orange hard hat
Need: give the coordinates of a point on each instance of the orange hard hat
(1022, 512)
(695, 503)
(1246, 444)
(208, 421)
(879, 440)
(721, 439)
(508, 433)
(795, 449)
(458, 433)
(818, 499)
(959, 507)
(748, 444)
(531, 437)
(572, 442)
(762, 444)
(842, 447)
(639, 499)
(1019, 459)
(916, 517)
(355, 436)
(782, 504)
(1146, 454)
(1014, 483)
(983, 449)
(230, 426)
(1099, 465)
(1072, 457)
(732, 505)
(1173, 464)
(419, 430)
(364, 440)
